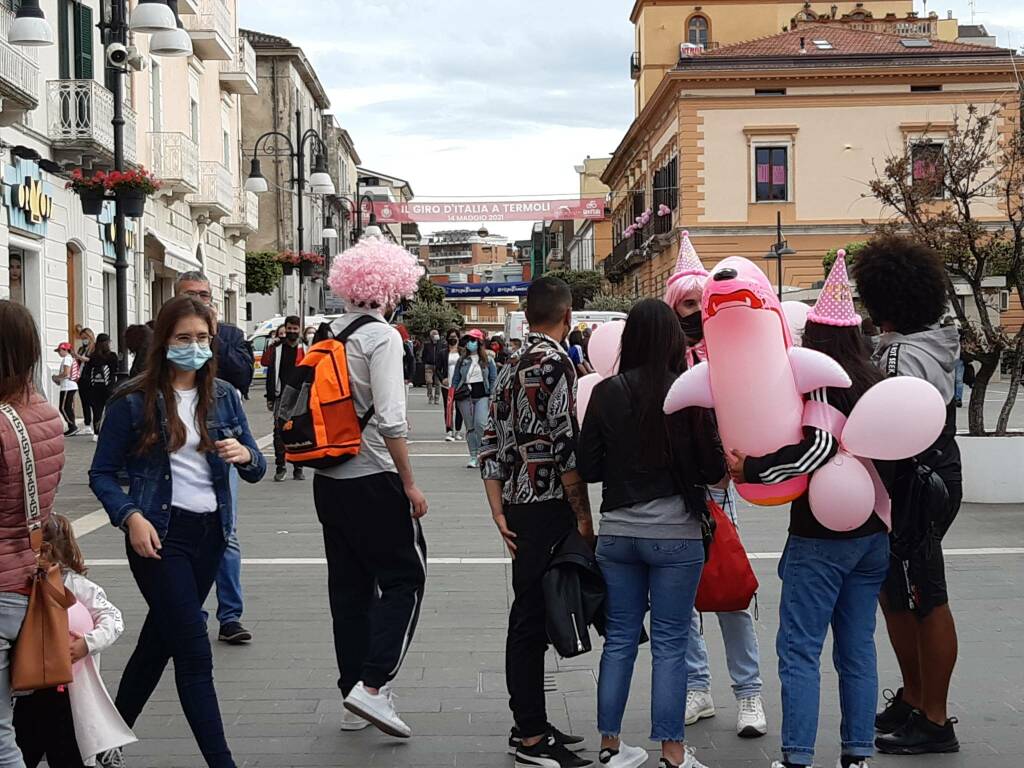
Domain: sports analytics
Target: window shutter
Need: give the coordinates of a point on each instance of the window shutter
(83, 40)
(64, 39)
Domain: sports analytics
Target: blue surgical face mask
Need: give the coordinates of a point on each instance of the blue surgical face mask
(472, 346)
(190, 357)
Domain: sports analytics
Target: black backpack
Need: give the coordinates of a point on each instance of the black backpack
(920, 504)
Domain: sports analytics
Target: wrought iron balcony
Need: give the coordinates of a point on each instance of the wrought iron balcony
(238, 74)
(211, 30)
(216, 196)
(79, 115)
(175, 161)
(19, 75)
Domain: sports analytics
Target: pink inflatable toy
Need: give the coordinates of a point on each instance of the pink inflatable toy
(754, 377)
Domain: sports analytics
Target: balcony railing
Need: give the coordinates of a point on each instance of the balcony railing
(245, 218)
(634, 65)
(175, 161)
(79, 115)
(238, 74)
(216, 195)
(211, 30)
(19, 72)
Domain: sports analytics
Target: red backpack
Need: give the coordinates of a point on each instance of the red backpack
(728, 582)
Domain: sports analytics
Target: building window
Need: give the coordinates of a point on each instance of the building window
(927, 172)
(697, 31)
(227, 149)
(771, 174)
(194, 114)
(769, 91)
(74, 31)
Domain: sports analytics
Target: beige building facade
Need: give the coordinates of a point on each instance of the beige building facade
(56, 116)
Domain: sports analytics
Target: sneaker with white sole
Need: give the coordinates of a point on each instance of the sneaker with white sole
(699, 706)
(623, 757)
(548, 753)
(472, 464)
(750, 720)
(449, 437)
(352, 722)
(379, 709)
(86, 430)
(567, 740)
(690, 761)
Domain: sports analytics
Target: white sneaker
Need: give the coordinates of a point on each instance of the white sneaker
(352, 722)
(625, 757)
(459, 436)
(690, 761)
(95, 438)
(750, 720)
(449, 437)
(472, 464)
(699, 706)
(379, 710)
(86, 430)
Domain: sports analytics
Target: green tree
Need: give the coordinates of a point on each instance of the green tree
(605, 302)
(852, 249)
(262, 271)
(429, 292)
(423, 317)
(584, 283)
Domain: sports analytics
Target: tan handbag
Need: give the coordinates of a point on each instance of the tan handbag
(42, 652)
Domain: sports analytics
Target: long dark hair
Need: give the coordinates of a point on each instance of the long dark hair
(19, 352)
(846, 346)
(156, 380)
(653, 346)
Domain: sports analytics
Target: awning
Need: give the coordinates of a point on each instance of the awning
(176, 256)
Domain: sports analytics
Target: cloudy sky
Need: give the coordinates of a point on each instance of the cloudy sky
(479, 98)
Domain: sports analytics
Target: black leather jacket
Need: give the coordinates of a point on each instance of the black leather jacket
(574, 594)
(611, 450)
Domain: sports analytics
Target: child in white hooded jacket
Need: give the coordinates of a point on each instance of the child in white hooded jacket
(77, 724)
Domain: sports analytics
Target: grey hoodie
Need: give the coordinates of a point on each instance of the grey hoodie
(930, 354)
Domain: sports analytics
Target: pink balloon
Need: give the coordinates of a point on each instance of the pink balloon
(895, 419)
(796, 317)
(584, 389)
(604, 347)
(842, 494)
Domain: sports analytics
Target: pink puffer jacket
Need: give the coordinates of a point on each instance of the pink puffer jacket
(45, 428)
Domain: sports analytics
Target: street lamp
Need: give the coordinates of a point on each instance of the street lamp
(171, 42)
(30, 28)
(779, 249)
(319, 181)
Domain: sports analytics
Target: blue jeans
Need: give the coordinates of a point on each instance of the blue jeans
(474, 415)
(174, 588)
(665, 573)
(742, 654)
(958, 381)
(829, 581)
(12, 614)
(229, 575)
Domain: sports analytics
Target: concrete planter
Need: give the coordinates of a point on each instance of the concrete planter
(992, 469)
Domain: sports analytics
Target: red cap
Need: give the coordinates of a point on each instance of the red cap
(64, 346)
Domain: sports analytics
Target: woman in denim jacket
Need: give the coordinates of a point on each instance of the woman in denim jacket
(176, 430)
(473, 382)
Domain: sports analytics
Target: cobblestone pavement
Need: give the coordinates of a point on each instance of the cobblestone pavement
(281, 707)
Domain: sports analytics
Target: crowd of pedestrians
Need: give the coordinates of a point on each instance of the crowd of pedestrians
(173, 442)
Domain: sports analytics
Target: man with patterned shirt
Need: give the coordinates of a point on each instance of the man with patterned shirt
(528, 463)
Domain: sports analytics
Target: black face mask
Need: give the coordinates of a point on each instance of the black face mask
(693, 327)
(292, 336)
(453, 342)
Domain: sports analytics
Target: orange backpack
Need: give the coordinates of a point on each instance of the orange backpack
(317, 416)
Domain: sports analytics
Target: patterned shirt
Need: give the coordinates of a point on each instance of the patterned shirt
(532, 431)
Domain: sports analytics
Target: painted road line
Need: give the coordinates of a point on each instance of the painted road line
(93, 521)
(320, 561)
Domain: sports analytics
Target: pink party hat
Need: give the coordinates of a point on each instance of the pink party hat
(835, 303)
(688, 262)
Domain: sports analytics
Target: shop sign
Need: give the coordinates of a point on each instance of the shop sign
(483, 290)
(28, 197)
(108, 233)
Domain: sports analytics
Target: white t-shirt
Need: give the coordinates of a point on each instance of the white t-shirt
(453, 361)
(475, 375)
(191, 479)
(66, 364)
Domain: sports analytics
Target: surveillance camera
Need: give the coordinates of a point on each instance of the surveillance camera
(117, 55)
(136, 60)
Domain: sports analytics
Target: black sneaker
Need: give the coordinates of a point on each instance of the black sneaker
(548, 753)
(919, 736)
(280, 475)
(233, 633)
(895, 714)
(297, 474)
(575, 743)
(70, 431)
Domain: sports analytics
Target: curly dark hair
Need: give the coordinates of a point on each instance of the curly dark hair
(901, 283)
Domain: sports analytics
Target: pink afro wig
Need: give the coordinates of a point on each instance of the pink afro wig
(680, 287)
(375, 273)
